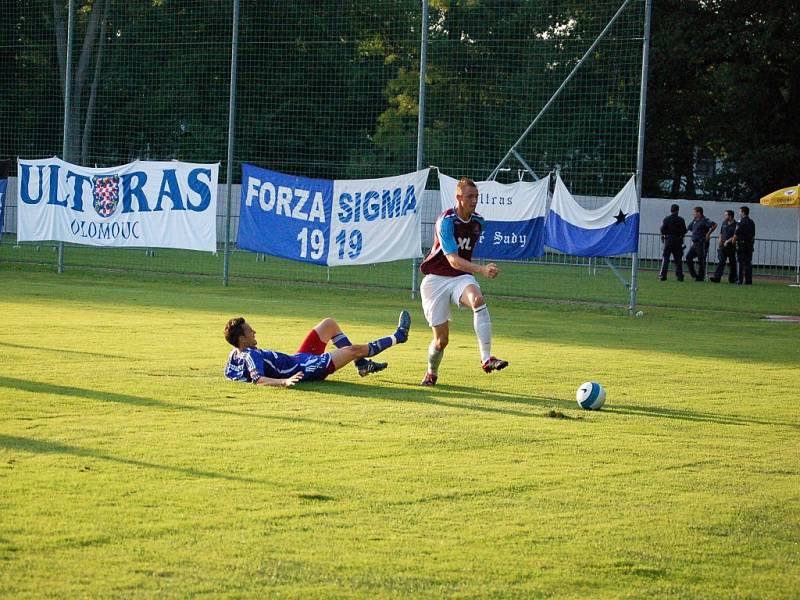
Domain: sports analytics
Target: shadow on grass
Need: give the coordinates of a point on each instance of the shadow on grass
(57, 351)
(433, 397)
(462, 397)
(101, 396)
(24, 444)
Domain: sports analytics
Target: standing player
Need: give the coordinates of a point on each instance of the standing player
(449, 278)
(247, 362)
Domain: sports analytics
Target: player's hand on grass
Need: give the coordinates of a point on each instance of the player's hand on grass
(491, 270)
(293, 380)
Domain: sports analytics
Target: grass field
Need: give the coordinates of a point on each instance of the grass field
(130, 468)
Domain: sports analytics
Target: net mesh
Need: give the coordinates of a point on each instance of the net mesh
(329, 90)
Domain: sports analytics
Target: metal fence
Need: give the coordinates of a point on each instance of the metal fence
(330, 89)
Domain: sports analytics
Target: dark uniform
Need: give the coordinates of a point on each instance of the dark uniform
(726, 253)
(672, 231)
(745, 240)
(451, 234)
(699, 228)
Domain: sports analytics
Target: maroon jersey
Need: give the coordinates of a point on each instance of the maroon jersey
(451, 234)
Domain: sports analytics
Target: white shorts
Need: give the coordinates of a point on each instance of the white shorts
(438, 292)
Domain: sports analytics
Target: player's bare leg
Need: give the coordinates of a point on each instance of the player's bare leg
(441, 337)
(482, 324)
(328, 330)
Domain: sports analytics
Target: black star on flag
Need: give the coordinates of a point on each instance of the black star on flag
(620, 217)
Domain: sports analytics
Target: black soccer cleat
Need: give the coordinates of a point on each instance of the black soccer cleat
(403, 325)
(371, 367)
(494, 364)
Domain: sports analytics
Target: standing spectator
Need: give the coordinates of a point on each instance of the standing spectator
(744, 237)
(726, 250)
(672, 231)
(701, 229)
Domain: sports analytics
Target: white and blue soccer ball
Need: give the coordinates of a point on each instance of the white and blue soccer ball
(591, 395)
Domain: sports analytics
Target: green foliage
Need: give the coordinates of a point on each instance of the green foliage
(330, 89)
(726, 81)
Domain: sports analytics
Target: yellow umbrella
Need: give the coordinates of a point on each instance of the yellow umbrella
(787, 198)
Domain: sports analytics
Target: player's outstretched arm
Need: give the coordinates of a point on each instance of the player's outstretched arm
(289, 382)
(489, 270)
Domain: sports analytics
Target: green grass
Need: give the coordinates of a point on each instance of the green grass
(130, 468)
(524, 280)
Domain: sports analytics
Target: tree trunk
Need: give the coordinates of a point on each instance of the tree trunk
(98, 67)
(59, 25)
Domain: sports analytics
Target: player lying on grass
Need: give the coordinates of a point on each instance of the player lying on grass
(247, 362)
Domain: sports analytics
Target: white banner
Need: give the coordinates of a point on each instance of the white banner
(376, 220)
(520, 201)
(142, 204)
(514, 216)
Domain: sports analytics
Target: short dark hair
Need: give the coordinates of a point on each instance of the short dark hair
(745, 210)
(674, 208)
(729, 213)
(234, 329)
(698, 209)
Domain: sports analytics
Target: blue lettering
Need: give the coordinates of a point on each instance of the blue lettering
(410, 204)
(202, 189)
(372, 205)
(345, 207)
(54, 187)
(390, 207)
(170, 189)
(132, 184)
(77, 198)
(357, 208)
(24, 185)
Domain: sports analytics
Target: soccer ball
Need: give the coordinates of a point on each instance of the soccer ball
(591, 395)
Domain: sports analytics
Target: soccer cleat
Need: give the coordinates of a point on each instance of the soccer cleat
(494, 364)
(371, 367)
(403, 325)
(430, 380)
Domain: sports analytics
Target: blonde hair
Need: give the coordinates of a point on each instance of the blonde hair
(464, 182)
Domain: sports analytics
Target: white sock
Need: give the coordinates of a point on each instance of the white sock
(483, 329)
(434, 358)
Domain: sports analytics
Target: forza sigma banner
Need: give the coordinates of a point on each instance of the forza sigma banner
(514, 216)
(331, 222)
(144, 203)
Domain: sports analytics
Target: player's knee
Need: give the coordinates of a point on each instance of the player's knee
(441, 341)
(327, 328)
(477, 301)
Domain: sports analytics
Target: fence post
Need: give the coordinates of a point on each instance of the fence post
(231, 121)
(423, 70)
(640, 149)
(67, 108)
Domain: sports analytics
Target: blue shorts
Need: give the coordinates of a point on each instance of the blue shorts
(315, 367)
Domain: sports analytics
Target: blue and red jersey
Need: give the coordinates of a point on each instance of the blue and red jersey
(452, 234)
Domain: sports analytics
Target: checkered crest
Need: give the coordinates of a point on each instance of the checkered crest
(105, 189)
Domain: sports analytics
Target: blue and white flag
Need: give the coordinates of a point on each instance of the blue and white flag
(331, 222)
(606, 231)
(142, 204)
(514, 217)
